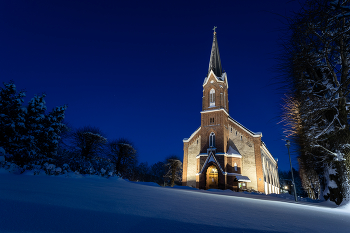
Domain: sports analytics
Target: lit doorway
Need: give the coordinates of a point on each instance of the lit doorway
(212, 178)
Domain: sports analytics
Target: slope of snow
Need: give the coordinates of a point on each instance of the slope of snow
(92, 204)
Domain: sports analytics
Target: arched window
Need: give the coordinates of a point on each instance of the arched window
(235, 165)
(212, 97)
(212, 140)
(225, 99)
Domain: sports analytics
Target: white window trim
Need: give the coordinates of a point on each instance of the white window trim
(225, 99)
(212, 98)
(212, 139)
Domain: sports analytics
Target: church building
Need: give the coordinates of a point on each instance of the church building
(222, 153)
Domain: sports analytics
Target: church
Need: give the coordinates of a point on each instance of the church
(222, 153)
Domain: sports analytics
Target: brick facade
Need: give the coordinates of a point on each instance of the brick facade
(228, 133)
(234, 144)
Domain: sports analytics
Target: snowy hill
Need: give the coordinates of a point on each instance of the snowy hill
(92, 204)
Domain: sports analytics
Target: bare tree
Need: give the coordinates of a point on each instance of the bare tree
(123, 155)
(88, 141)
(316, 112)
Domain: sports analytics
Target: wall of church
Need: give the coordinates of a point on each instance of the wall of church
(242, 142)
(270, 173)
(221, 161)
(192, 151)
(214, 122)
(230, 165)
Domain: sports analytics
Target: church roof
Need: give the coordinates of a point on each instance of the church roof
(243, 178)
(251, 132)
(233, 152)
(215, 62)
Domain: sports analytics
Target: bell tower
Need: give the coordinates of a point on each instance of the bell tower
(215, 107)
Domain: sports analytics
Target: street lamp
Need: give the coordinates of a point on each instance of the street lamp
(291, 169)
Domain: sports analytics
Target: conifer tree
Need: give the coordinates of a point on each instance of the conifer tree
(53, 125)
(27, 133)
(43, 129)
(12, 121)
(174, 167)
(35, 117)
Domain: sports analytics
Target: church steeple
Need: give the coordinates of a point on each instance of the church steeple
(215, 62)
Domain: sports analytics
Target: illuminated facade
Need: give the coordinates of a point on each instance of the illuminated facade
(222, 153)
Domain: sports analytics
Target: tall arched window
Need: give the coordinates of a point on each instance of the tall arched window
(225, 99)
(212, 140)
(212, 97)
(235, 166)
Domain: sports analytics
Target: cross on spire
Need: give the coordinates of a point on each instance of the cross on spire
(215, 61)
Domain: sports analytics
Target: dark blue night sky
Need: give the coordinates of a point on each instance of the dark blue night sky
(135, 69)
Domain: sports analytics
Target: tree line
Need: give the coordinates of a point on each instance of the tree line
(43, 142)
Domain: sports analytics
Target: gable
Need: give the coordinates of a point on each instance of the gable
(212, 77)
(211, 158)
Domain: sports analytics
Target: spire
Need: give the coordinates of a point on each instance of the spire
(215, 62)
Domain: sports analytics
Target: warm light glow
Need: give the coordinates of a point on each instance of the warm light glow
(291, 116)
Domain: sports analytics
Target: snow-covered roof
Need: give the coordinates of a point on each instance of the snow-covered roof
(243, 178)
(188, 139)
(258, 134)
(233, 174)
(201, 154)
(215, 110)
(211, 158)
(219, 79)
(267, 152)
(233, 153)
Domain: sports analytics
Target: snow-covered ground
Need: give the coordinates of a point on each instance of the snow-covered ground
(92, 204)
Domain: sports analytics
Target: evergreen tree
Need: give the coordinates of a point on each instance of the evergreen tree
(12, 122)
(49, 138)
(174, 167)
(43, 129)
(27, 132)
(35, 117)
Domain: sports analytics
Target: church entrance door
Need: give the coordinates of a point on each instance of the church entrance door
(212, 178)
